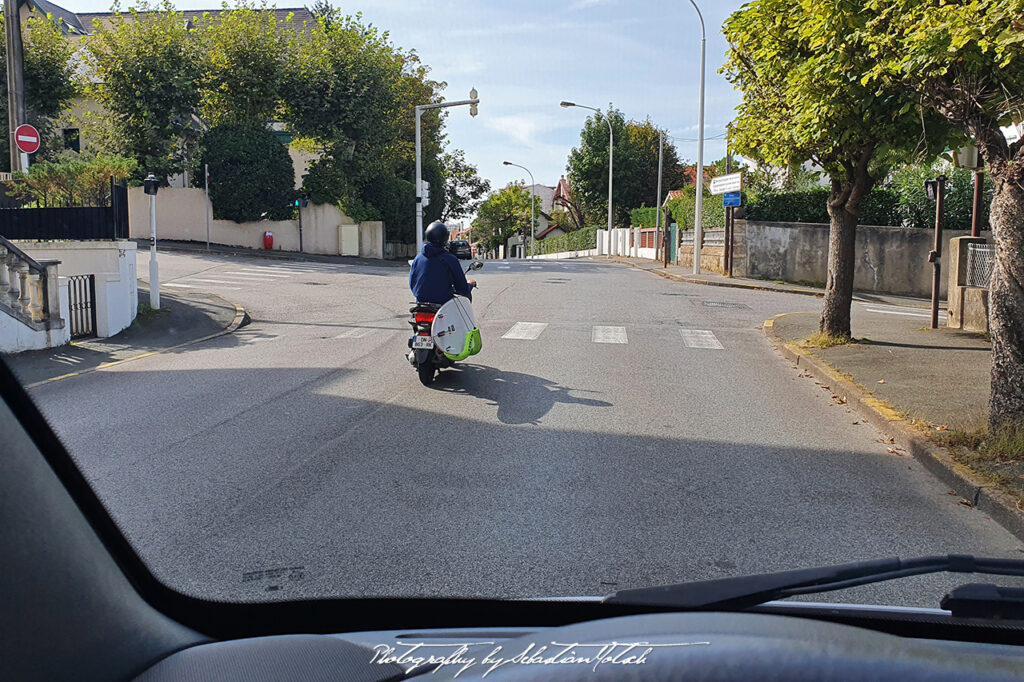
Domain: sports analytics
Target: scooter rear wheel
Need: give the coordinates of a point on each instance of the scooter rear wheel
(426, 373)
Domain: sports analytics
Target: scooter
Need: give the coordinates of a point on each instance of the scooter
(442, 334)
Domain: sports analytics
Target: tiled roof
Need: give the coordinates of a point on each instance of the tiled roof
(69, 21)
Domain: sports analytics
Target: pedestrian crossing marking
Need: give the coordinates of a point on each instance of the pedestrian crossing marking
(354, 333)
(181, 286)
(261, 275)
(700, 338)
(526, 331)
(609, 335)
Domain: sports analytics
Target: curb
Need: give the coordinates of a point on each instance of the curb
(729, 285)
(981, 493)
(240, 320)
(271, 254)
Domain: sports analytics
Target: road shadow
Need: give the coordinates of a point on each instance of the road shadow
(520, 398)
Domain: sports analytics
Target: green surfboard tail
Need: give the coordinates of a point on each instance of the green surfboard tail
(471, 346)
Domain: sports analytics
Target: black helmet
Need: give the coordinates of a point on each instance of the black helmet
(437, 233)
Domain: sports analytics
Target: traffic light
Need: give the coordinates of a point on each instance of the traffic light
(426, 194)
(472, 107)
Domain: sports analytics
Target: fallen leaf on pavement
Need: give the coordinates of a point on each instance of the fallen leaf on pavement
(892, 451)
(881, 381)
(948, 492)
(856, 422)
(965, 502)
(944, 427)
(890, 439)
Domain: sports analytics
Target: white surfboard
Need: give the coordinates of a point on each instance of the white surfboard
(452, 323)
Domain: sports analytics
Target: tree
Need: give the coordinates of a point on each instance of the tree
(50, 82)
(148, 70)
(966, 62)
(504, 214)
(351, 93)
(244, 54)
(799, 65)
(464, 189)
(635, 172)
(251, 173)
(71, 179)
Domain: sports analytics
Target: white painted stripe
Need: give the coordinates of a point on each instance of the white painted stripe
(215, 281)
(175, 284)
(609, 335)
(245, 277)
(923, 313)
(508, 267)
(29, 138)
(700, 338)
(527, 331)
(252, 271)
(537, 267)
(354, 333)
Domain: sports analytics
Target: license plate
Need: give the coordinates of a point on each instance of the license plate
(423, 341)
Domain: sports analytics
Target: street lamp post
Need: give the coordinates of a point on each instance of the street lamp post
(533, 219)
(150, 186)
(657, 204)
(611, 152)
(698, 226)
(472, 102)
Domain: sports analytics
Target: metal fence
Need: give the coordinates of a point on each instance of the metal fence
(82, 305)
(81, 222)
(980, 259)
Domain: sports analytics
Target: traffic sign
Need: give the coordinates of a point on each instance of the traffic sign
(27, 138)
(731, 199)
(727, 183)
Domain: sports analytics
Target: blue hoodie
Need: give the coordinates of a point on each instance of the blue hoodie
(436, 276)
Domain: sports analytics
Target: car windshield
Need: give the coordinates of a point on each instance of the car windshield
(736, 297)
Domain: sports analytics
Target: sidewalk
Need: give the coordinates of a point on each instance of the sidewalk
(271, 254)
(927, 390)
(685, 274)
(183, 320)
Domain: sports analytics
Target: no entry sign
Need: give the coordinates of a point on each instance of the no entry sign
(27, 139)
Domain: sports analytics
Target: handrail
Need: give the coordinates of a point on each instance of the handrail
(25, 289)
(11, 248)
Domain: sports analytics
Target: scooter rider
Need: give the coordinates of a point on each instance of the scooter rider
(436, 275)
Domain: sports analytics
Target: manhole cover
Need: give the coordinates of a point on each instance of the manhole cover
(724, 304)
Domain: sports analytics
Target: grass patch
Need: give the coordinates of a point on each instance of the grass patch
(999, 455)
(147, 313)
(822, 340)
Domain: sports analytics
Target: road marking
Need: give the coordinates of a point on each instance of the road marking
(537, 267)
(700, 338)
(182, 286)
(527, 331)
(907, 313)
(609, 335)
(354, 333)
(216, 281)
(508, 267)
(253, 273)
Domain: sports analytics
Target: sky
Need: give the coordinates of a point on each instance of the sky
(525, 57)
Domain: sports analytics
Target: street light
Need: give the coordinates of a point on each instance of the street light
(698, 225)
(611, 152)
(473, 101)
(533, 185)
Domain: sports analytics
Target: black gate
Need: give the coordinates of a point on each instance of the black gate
(82, 305)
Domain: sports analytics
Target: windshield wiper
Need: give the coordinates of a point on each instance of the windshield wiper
(745, 591)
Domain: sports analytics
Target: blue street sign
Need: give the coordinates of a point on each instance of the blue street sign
(731, 199)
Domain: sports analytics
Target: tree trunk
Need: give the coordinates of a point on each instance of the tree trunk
(842, 234)
(1006, 296)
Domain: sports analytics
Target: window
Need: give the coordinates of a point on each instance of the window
(71, 139)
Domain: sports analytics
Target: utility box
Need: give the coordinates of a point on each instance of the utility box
(967, 296)
(348, 240)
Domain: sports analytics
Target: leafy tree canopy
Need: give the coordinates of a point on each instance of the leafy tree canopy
(464, 189)
(504, 214)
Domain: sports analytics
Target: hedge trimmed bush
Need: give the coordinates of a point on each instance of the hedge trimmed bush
(645, 216)
(579, 240)
(251, 173)
(880, 207)
(683, 208)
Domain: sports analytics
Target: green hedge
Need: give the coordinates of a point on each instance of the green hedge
(683, 209)
(645, 216)
(880, 207)
(578, 240)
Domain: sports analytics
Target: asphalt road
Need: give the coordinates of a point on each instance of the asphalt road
(300, 456)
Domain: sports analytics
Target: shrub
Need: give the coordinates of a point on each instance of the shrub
(645, 216)
(251, 173)
(72, 180)
(683, 208)
(880, 207)
(578, 240)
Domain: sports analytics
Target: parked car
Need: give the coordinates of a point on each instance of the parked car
(461, 249)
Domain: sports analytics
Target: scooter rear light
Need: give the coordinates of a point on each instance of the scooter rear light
(424, 317)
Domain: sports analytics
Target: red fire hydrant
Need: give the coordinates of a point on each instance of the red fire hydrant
(268, 240)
